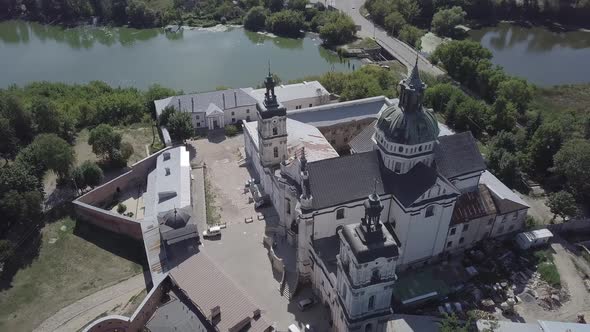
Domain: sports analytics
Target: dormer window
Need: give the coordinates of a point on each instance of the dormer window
(274, 131)
(167, 171)
(166, 156)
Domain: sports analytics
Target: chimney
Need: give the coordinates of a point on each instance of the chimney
(235, 99)
(223, 96)
(192, 105)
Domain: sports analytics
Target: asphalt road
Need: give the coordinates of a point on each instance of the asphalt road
(400, 50)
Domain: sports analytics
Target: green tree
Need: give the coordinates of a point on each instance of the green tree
(48, 152)
(411, 35)
(165, 115)
(462, 59)
(573, 162)
(46, 116)
(338, 29)
(445, 20)
(544, 144)
(274, 5)
(408, 8)
(394, 22)
(503, 116)
(562, 204)
(155, 92)
(20, 118)
(180, 126)
(439, 95)
(8, 140)
(297, 4)
(88, 174)
(255, 19)
(105, 141)
(286, 23)
(6, 250)
(517, 91)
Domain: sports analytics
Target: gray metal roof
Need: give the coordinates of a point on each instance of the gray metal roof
(208, 286)
(408, 127)
(351, 178)
(505, 199)
(370, 249)
(330, 114)
(363, 142)
(457, 155)
(176, 315)
(293, 91)
(199, 102)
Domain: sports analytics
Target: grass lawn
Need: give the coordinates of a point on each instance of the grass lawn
(212, 210)
(574, 98)
(547, 268)
(74, 261)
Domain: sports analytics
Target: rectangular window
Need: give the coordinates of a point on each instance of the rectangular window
(398, 167)
(233, 113)
(340, 214)
(233, 120)
(461, 240)
(198, 124)
(465, 227)
(310, 105)
(449, 244)
(197, 117)
(247, 110)
(453, 230)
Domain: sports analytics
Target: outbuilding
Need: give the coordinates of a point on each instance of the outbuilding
(526, 240)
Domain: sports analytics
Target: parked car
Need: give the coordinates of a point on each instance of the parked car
(212, 231)
(305, 303)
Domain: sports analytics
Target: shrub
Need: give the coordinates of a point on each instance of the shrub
(339, 29)
(231, 130)
(255, 19)
(286, 23)
(121, 208)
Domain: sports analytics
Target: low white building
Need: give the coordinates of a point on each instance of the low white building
(296, 96)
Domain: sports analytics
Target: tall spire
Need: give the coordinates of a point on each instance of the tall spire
(414, 78)
(270, 99)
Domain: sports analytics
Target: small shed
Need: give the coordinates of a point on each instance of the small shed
(526, 240)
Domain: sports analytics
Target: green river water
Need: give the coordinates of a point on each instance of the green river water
(194, 60)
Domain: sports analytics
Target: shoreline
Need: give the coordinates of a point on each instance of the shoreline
(549, 25)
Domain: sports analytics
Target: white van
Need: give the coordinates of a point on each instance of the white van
(212, 231)
(293, 328)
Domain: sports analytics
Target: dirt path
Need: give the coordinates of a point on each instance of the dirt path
(80, 313)
(570, 278)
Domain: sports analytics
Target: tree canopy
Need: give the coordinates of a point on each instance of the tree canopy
(562, 204)
(445, 20)
(339, 29)
(573, 162)
(180, 126)
(286, 23)
(104, 141)
(255, 19)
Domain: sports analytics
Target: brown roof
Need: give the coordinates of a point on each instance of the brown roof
(472, 205)
(208, 287)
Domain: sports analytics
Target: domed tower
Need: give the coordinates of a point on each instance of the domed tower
(406, 133)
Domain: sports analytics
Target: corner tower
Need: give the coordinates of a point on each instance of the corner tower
(272, 126)
(405, 133)
(366, 272)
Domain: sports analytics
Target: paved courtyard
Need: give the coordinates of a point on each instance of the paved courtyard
(239, 252)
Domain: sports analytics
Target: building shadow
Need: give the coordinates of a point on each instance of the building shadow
(117, 244)
(216, 136)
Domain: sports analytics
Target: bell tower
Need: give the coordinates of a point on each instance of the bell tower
(366, 271)
(272, 126)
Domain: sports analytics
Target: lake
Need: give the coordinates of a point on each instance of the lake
(541, 56)
(194, 60)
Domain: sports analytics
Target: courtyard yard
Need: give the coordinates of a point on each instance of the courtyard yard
(239, 251)
(74, 260)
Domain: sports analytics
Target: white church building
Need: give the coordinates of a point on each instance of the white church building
(404, 197)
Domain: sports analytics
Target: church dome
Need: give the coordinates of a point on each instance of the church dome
(175, 218)
(408, 128)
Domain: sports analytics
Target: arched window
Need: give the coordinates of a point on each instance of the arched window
(276, 152)
(372, 302)
(275, 131)
(369, 327)
(376, 276)
(429, 211)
